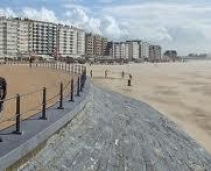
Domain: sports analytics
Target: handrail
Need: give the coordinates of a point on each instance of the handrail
(67, 90)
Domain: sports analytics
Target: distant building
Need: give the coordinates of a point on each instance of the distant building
(170, 55)
(66, 41)
(96, 45)
(44, 37)
(80, 42)
(154, 53)
(133, 49)
(144, 50)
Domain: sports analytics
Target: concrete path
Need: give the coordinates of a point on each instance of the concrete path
(119, 133)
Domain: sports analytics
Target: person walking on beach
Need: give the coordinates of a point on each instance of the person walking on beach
(91, 73)
(123, 74)
(106, 73)
(3, 91)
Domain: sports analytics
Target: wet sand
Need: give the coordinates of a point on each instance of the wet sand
(181, 91)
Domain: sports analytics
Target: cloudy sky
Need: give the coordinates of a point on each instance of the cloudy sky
(174, 24)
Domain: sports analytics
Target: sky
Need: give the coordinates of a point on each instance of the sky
(182, 25)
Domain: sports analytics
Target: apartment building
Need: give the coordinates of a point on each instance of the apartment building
(154, 52)
(44, 37)
(104, 42)
(89, 44)
(144, 53)
(133, 49)
(80, 42)
(117, 49)
(3, 37)
(67, 41)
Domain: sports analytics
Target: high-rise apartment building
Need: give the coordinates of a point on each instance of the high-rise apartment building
(133, 49)
(144, 50)
(104, 42)
(96, 45)
(67, 41)
(44, 37)
(80, 42)
(89, 45)
(154, 52)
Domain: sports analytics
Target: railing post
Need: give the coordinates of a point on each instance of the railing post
(72, 90)
(18, 116)
(44, 105)
(78, 87)
(81, 83)
(61, 97)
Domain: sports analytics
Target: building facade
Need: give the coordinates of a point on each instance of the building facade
(144, 53)
(66, 41)
(80, 42)
(133, 49)
(44, 38)
(89, 43)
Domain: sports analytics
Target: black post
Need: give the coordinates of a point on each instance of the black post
(71, 90)
(72, 68)
(18, 116)
(56, 65)
(61, 97)
(78, 87)
(44, 105)
(81, 83)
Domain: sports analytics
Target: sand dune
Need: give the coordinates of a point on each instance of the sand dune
(181, 91)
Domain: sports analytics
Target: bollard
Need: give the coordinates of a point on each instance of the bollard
(71, 90)
(78, 87)
(129, 82)
(56, 66)
(44, 105)
(18, 116)
(61, 97)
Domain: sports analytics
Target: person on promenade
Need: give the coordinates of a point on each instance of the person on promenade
(130, 77)
(3, 91)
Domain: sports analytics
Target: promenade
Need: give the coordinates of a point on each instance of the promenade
(114, 132)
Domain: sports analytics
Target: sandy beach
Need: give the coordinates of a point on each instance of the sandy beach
(22, 80)
(181, 91)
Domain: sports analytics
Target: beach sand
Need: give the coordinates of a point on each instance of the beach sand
(22, 80)
(181, 91)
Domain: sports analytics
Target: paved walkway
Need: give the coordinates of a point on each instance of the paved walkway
(118, 133)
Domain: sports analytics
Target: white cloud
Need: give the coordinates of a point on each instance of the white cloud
(43, 14)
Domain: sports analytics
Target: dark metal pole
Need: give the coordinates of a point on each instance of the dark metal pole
(44, 105)
(61, 97)
(72, 89)
(81, 83)
(78, 87)
(18, 116)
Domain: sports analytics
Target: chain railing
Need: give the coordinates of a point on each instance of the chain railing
(43, 98)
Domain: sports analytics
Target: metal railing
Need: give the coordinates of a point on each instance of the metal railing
(45, 97)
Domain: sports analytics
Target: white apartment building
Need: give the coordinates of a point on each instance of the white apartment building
(144, 50)
(23, 37)
(2, 37)
(133, 49)
(116, 47)
(44, 37)
(122, 50)
(81, 42)
(67, 41)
